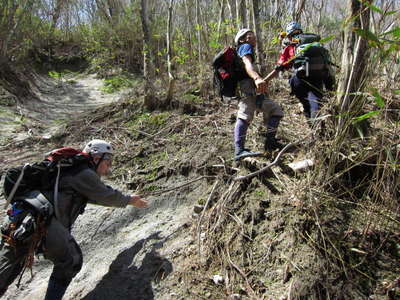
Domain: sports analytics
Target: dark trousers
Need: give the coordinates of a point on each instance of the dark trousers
(309, 92)
(60, 247)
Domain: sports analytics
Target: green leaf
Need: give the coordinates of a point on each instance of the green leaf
(377, 9)
(397, 92)
(378, 98)
(373, 7)
(395, 32)
(275, 41)
(365, 116)
(392, 12)
(365, 33)
(54, 74)
(327, 39)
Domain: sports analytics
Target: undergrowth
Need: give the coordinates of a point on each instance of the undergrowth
(117, 82)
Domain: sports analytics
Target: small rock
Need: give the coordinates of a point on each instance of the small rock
(198, 208)
(208, 295)
(195, 216)
(234, 297)
(218, 279)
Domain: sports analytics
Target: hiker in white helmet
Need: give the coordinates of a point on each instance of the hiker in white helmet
(76, 189)
(253, 89)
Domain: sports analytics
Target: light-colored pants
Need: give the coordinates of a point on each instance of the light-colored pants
(248, 106)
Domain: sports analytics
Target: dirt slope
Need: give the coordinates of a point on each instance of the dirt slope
(276, 236)
(124, 249)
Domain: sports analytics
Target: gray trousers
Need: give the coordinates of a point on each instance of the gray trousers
(60, 247)
(248, 105)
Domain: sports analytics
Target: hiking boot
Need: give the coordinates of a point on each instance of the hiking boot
(271, 144)
(246, 153)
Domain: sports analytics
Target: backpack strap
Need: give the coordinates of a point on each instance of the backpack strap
(15, 187)
(55, 197)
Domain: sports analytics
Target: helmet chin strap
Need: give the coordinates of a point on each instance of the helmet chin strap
(100, 160)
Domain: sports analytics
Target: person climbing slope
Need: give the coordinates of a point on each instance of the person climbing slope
(253, 89)
(75, 190)
(311, 63)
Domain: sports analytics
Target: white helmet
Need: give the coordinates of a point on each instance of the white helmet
(240, 34)
(98, 147)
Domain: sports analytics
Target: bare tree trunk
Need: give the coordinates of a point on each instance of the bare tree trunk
(102, 7)
(257, 30)
(243, 13)
(17, 13)
(199, 40)
(298, 9)
(278, 9)
(60, 4)
(240, 14)
(231, 8)
(204, 32)
(149, 100)
(221, 17)
(354, 57)
(189, 29)
(320, 9)
(114, 10)
(249, 14)
(171, 83)
(12, 16)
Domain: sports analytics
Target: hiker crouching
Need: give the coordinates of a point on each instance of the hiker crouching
(75, 190)
(253, 89)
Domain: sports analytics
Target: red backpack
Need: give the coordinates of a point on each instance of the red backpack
(45, 174)
(228, 71)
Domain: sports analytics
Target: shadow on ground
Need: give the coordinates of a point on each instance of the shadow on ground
(126, 281)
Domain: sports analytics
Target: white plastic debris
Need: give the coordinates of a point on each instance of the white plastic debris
(218, 279)
(301, 165)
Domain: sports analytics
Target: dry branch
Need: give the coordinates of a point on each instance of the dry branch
(251, 175)
(202, 215)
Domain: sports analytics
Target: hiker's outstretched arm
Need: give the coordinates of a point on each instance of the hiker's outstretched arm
(271, 75)
(261, 85)
(88, 183)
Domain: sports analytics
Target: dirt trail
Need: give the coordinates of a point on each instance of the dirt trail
(126, 251)
(59, 99)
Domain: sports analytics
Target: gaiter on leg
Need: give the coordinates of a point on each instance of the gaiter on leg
(270, 141)
(239, 134)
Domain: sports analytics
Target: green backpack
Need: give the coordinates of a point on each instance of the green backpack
(312, 58)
